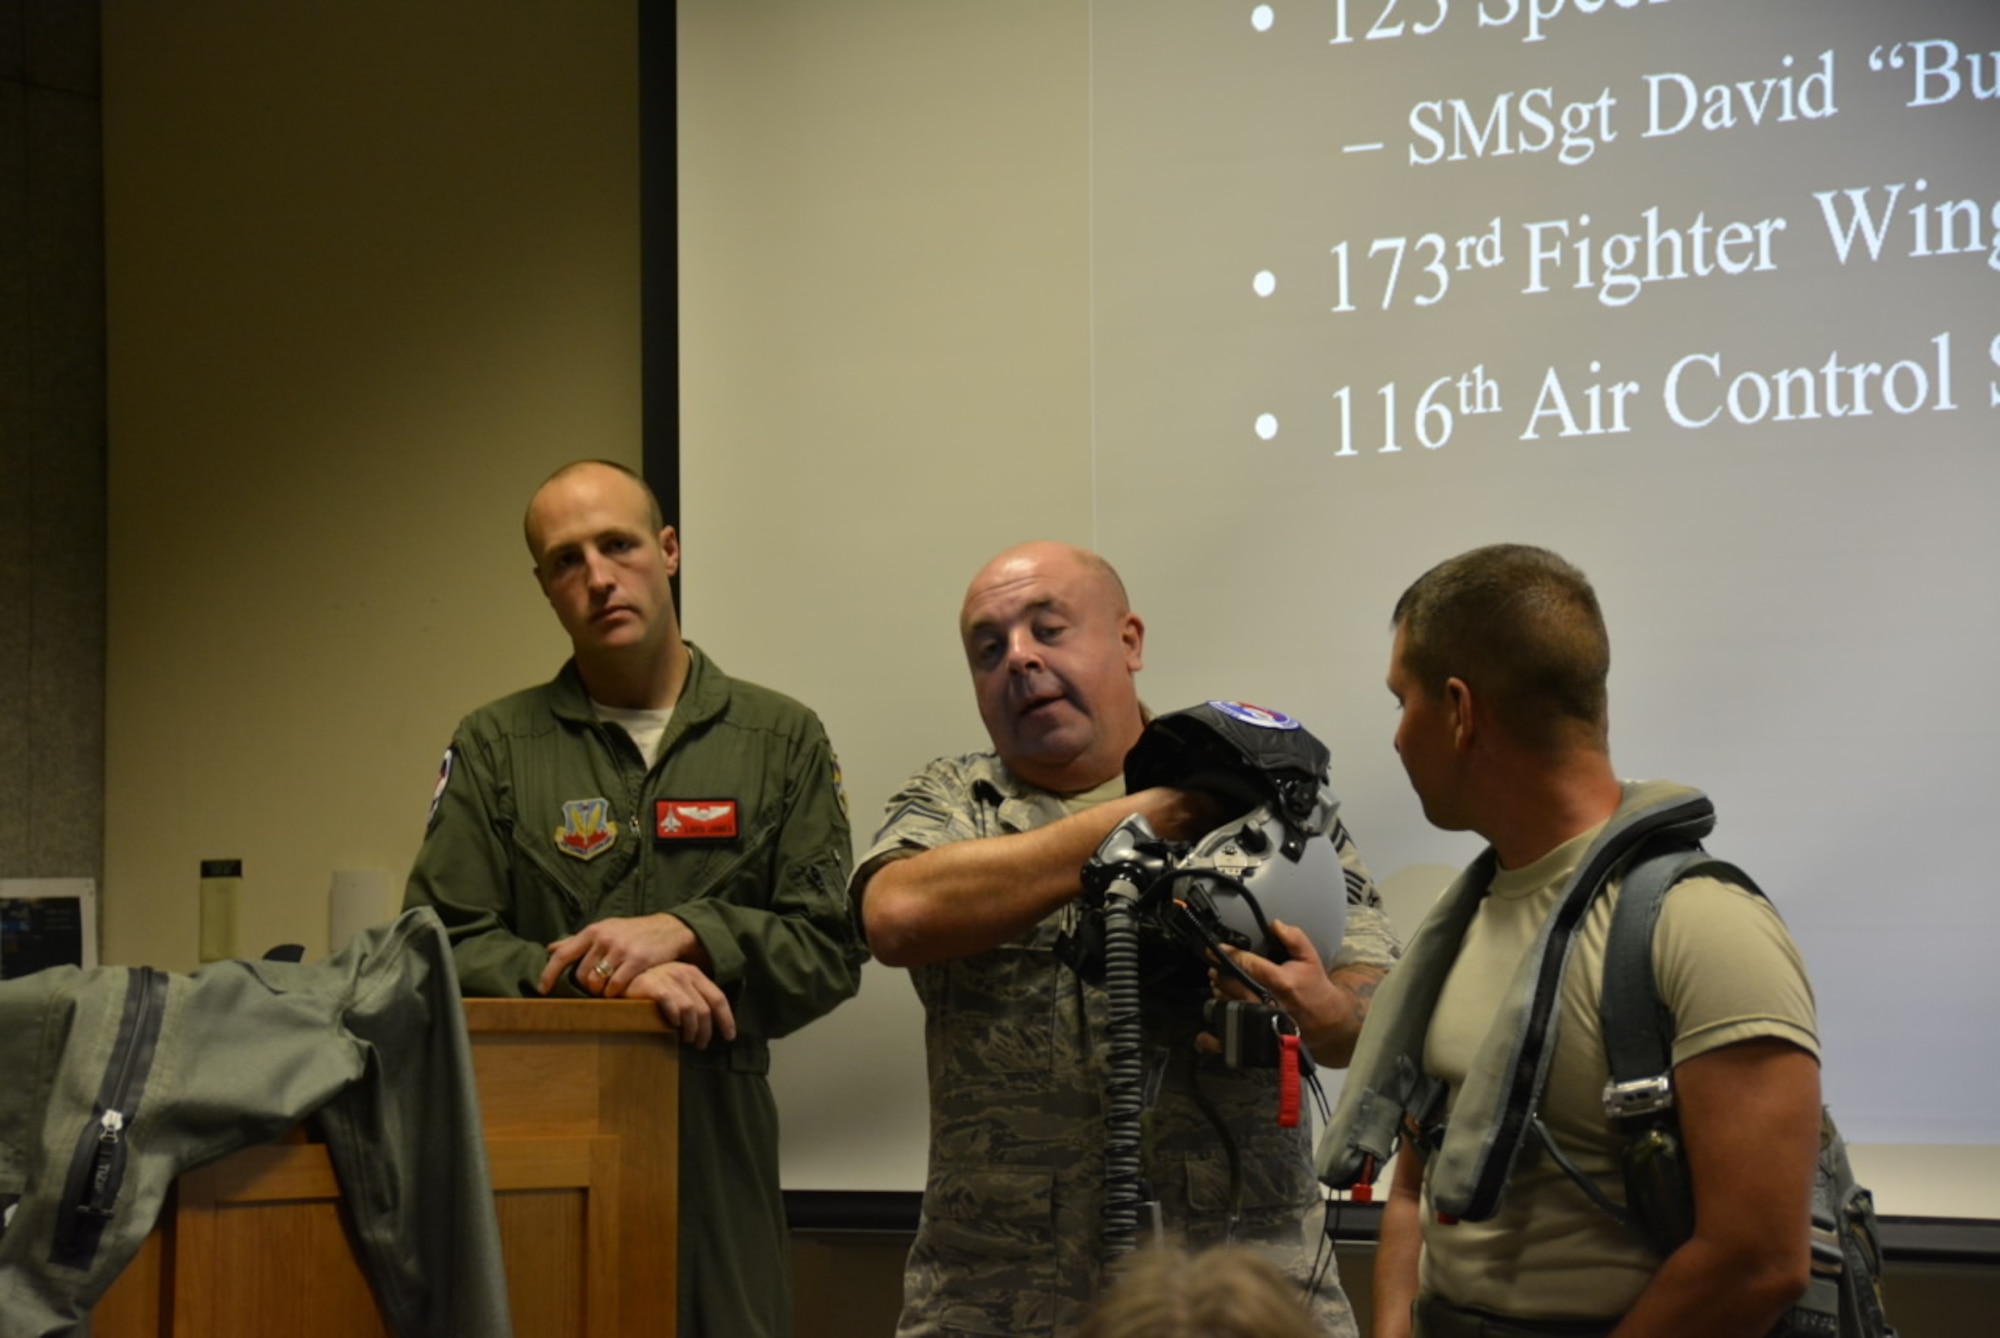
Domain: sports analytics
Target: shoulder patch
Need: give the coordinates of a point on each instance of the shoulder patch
(437, 790)
(840, 787)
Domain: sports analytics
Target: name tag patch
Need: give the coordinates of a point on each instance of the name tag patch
(694, 819)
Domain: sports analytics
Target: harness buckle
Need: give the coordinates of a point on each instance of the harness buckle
(1642, 1096)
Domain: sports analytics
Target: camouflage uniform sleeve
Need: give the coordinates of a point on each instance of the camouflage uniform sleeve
(1368, 940)
(930, 810)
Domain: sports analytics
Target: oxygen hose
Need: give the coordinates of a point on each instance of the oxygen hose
(1125, 1098)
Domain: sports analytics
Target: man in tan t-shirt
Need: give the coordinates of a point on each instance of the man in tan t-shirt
(1499, 666)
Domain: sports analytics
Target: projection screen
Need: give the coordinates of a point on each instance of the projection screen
(1703, 295)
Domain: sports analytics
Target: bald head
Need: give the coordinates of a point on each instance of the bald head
(1052, 644)
(615, 476)
(1088, 571)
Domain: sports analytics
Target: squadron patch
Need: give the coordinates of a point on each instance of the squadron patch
(1261, 716)
(588, 829)
(840, 787)
(437, 791)
(694, 819)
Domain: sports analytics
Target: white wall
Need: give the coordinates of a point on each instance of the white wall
(959, 276)
(885, 380)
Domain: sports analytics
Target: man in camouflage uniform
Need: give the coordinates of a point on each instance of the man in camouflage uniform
(970, 883)
(646, 827)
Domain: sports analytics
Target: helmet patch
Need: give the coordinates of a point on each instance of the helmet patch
(1261, 716)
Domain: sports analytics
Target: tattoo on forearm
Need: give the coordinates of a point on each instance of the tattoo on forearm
(1361, 982)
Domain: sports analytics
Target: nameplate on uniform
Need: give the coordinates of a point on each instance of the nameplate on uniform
(694, 819)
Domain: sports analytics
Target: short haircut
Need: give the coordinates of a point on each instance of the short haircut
(1522, 628)
(1227, 1291)
(652, 501)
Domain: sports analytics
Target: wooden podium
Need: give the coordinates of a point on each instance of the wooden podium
(580, 1102)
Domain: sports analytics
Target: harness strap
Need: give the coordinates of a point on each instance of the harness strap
(1637, 1028)
(1522, 1095)
(1470, 1161)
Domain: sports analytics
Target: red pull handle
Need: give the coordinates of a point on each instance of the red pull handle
(1288, 1082)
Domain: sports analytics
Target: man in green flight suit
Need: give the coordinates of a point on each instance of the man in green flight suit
(646, 827)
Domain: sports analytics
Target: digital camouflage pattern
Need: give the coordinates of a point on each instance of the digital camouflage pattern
(1009, 1241)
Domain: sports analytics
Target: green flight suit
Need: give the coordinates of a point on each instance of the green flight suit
(545, 820)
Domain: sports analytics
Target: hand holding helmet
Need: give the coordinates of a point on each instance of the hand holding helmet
(1272, 859)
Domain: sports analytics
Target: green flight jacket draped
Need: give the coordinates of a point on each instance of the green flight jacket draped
(118, 1079)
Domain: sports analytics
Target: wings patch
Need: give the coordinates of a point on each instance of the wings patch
(694, 820)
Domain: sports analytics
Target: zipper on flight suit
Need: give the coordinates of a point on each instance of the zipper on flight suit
(625, 753)
(97, 1168)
